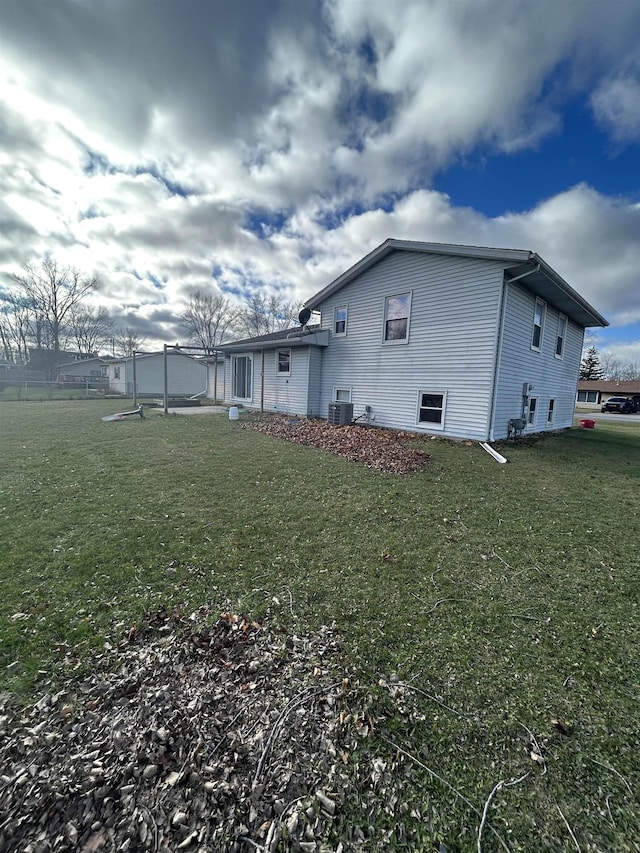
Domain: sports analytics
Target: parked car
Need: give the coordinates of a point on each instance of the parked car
(623, 405)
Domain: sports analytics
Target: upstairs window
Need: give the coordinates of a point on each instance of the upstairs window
(340, 321)
(397, 310)
(561, 335)
(538, 322)
(283, 362)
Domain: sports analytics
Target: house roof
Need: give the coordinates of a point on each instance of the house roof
(170, 352)
(103, 359)
(610, 386)
(540, 279)
(294, 337)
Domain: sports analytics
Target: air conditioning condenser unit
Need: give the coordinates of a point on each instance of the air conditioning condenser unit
(340, 414)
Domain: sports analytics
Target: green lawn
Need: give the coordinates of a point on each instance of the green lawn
(509, 593)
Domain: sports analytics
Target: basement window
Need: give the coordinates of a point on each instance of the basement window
(551, 411)
(538, 322)
(342, 395)
(283, 362)
(431, 409)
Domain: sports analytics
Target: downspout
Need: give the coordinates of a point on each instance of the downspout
(165, 393)
(135, 384)
(496, 369)
(309, 357)
(261, 381)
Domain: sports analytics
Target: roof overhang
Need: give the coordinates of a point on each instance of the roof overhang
(536, 275)
(317, 339)
(541, 279)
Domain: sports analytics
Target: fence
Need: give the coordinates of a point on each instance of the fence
(28, 385)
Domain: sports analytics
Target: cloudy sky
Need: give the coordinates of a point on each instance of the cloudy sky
(179, 145)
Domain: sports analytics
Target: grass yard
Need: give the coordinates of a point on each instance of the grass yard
(506, 596)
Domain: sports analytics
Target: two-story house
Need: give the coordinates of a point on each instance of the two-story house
(428, 337)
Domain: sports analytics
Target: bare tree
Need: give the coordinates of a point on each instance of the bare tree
(265, 314)
(208, 317)
(15, 326)
(632, 370)
(619, 369)
(128, 340)
(52, 292)
(610, 365)
(90, 328)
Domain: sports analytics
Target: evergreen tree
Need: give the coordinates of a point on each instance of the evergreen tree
(590, 367)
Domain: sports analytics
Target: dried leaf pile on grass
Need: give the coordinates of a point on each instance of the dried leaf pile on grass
(208, 735)
(379, 449)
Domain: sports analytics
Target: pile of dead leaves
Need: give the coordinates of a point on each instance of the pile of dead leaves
(209, 734)
(379, 449)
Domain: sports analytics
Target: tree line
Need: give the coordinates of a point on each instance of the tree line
(48, 310)
(605, 365)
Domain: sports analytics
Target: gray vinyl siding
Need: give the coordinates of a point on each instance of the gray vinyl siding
(275, 393)
(455, 304)
(315, 381)
(215, 383)
(287, 394)
(518, 363)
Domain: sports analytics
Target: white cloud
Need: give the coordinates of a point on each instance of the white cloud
(144, 140)
(616, 105)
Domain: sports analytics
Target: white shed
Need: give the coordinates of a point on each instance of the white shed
(186, 376)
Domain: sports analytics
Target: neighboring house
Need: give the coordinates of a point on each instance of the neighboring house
(186, 375)
(49, 361)
(427, 337)
(88, 370)
(595, 392)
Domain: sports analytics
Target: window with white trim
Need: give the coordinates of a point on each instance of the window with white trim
(538, 324)
(431, 408)
(588, 397)
(551, 411)
(533, 408)
(241, 370)
(340, 321)
(561, 334)
(283, 362)
(342, 395)
(397, 310)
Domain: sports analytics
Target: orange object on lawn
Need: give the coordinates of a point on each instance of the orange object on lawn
(587, 423)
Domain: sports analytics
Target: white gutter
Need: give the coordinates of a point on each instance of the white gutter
(524, 274)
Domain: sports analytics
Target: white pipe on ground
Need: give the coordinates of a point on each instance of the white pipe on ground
(497, 456)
